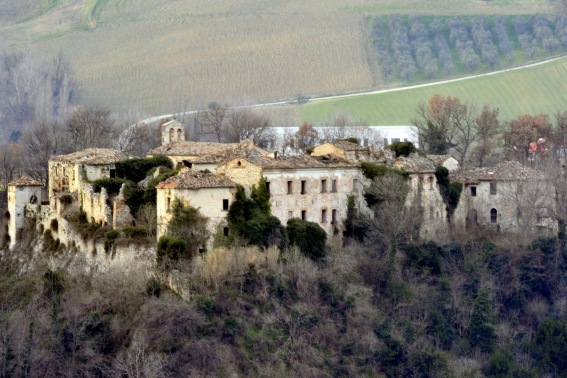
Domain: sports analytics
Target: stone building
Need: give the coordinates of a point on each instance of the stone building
(211, 194)
(446, 161)
(172, 132)
(23, 193)
(208, 154)
(66, 172)
(509, 197)
(425, 196)
(346, 150)
(312, 188)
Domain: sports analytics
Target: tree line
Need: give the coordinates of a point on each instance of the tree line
(414, 46)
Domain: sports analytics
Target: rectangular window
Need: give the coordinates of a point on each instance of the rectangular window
(324, 216)
(168, 203)
(225, 231)
(334, 186)
(385, 142)
(334, 216)
(268, 186)
(492, 188)
(473, 191)
(225, 204)
(396, 140)
(290, 187)
(323, 186)
(303, 186)
(431, 212)
(355, 185)
(303, 215)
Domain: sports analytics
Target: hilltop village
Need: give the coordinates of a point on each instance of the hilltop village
(312, 187)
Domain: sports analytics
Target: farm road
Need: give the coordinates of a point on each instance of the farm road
(364, 93)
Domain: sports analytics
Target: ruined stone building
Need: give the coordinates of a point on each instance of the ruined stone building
(509, 197)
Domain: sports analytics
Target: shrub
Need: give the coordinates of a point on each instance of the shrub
(450, 191)
(549, 346)
(66, 199)
(402, 148)
(171, 248)
(135, 232)
(308, 236)
(112, 185)
(153, 287)
(109, 239)
(137, 169)
(371, 170)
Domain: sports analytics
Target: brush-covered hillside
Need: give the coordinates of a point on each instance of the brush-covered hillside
(149, 55)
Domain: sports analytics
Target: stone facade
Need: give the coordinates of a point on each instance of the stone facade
(509, 198)
(21, 193)
(172, 132)
(209, 193)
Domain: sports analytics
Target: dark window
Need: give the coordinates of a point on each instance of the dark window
(168, 203)
(493, 215)
(268, 186)
(334, 186)
(225, 204)
(355, 185)
(473, 191)
(303, 186)
(112, 173)
(323, 186)
(225, 231)
(303, 214)
(323, 216)
(334, 216)
(290, 187)
(431, 212)
(430, 182)
(492, 188)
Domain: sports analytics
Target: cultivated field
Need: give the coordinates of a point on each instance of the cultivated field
(147, 54)
(539, 89)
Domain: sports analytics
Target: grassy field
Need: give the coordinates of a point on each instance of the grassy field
(539, 89)
(146, 54)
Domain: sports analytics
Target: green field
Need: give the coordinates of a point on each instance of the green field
(539, 89)
(150, 55)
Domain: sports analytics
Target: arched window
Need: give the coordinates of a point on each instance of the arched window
(179, 135)
(493, 215)
(171, 135)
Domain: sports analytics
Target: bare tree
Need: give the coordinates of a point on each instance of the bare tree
(445, 124)
(244, 124)
(488, 128)
(39, 143)
(89, 127)
(212, 121)
(10, 163)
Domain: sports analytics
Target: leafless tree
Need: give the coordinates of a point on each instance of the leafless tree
(10, 163)
(39, 142)
(212, 121)
(488, 128)
(147, 218)
(447, 124)
(244, 124)
(89, 127)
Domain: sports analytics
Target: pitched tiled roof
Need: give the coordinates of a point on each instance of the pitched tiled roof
(302, 161)
(505, 171)
(93, 156)
(227, 156)
(348, 146)
(190, 148)
(438, 160)
(188, 179)
(25, 181)
(415, 163)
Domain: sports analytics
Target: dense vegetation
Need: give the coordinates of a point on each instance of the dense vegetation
(464, 309)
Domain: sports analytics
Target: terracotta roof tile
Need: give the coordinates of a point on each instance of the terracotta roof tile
(505, 171)
(190, 148)
(415, 163)
(93, 156)
(302, 161)
(188, 179)
(25, 181)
